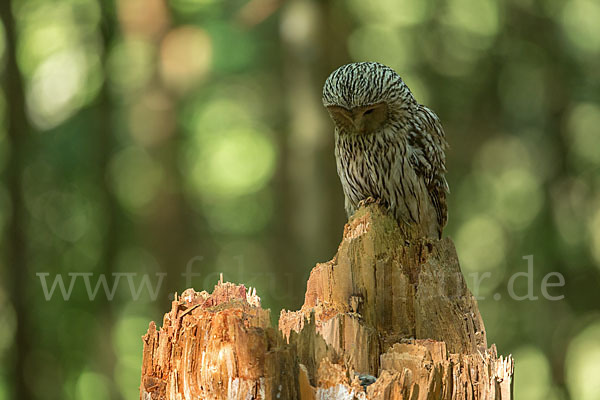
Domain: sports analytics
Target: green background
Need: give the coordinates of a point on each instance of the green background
(151, 136)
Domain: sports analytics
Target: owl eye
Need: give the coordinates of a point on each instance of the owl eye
(369, 111)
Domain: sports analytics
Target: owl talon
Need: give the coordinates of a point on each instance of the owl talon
(367, 201)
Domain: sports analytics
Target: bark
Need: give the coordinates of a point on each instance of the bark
(385, 319)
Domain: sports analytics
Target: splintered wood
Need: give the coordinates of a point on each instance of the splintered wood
(385, 319)
(217, 346)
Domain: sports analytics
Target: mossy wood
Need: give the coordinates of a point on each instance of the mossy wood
(384, 307)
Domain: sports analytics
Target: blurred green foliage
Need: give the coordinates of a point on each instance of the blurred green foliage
(187, 136)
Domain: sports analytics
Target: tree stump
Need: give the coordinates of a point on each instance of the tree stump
(386, 319)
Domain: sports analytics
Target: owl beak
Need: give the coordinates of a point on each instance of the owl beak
(352, 117)
(357, 120)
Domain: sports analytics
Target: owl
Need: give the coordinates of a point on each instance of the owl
(388, 147)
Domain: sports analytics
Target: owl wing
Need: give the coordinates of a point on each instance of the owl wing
(428, 158)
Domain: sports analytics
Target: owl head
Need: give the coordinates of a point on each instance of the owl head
(363, 97)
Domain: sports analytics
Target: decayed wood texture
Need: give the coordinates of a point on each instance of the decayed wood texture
(217, 346)
(385, 308)
(399, 311)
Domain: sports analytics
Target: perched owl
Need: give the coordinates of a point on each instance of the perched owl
(388, 147)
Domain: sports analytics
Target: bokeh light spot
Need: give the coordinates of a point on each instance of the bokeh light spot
(582, 364)
(504, 152)
(56, 87)
(583, 128)
(512, 191)
(231, 154)
(481, 244)
(476, 16)
(580, 21)
(130, 64)
(186, 55)
(233, 163)
(389, 46)
(136, 177)
(570, 198)
(128, 348)
(66, 214)
(518, 197)
(532, 378)
(92, 386)
(143, 17)
(47, 28)
(215, 116)
(298, 22)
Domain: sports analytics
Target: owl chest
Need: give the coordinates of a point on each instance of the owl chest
(364, 166)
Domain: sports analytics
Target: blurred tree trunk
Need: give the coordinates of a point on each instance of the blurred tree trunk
(18, 129)
(312, 194)
(105, 147)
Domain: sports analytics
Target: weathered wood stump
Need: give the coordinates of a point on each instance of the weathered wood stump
(217, 346)
(385, 319)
